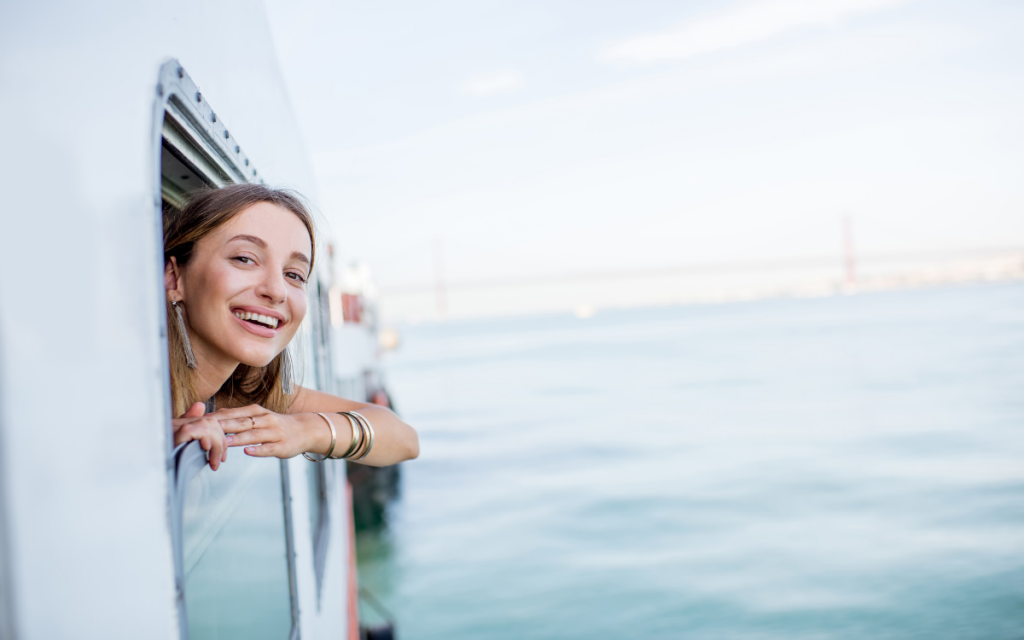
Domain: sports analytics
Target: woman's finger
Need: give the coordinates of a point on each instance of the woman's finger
(238, 425)
(178, 423)
(261, 451)
(210, 438)
(195, 411)
(238, 412)
(216, 450)
(187, 433)
(255, 436)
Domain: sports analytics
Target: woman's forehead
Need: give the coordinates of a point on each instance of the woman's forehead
(277, 227)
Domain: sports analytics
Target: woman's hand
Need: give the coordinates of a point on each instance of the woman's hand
(193, 425)
(264, 433)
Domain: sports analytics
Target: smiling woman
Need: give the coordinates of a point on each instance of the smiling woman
(236, 263)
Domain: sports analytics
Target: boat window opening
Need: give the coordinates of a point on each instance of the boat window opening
(196, 151)
(188, 136)
(177, 179)
(232, 533)
(185, 166)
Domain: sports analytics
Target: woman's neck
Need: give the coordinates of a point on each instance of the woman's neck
(211, 374)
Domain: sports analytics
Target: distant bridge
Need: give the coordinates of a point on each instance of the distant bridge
(819, 262)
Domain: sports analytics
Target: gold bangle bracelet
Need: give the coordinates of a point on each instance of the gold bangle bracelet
(334, 435)
(369, 428)
(356, 433)
(359, 438)
(361, 451)
(334, 440)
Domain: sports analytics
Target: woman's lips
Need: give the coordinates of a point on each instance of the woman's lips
(258, 329)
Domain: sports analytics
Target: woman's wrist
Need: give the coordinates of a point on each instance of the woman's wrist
(317, 434)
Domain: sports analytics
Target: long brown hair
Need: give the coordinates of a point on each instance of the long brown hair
(205, 212)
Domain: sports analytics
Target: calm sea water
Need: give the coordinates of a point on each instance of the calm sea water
(847, 467)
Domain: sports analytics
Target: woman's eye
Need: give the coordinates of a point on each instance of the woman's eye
(298, 277)
(243, 259)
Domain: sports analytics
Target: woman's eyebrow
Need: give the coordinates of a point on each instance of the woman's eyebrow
(296, 255)
(253, 239)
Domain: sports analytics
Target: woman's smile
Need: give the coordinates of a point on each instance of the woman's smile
(259, 320)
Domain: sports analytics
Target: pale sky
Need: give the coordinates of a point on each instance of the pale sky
(545, 138)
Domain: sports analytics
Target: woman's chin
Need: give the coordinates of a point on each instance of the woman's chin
(257, 359)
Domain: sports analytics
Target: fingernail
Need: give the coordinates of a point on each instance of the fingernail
(228, 439)
(250, 449)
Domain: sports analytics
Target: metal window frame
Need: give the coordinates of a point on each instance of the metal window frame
(320, 344)
(183, 117)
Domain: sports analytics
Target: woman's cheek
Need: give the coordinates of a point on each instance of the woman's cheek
(298, 309)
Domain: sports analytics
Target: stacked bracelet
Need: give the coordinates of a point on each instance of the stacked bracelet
(362, 438)
(357, 434)
(369, 428)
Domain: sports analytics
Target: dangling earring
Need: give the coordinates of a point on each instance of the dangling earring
(190, 357)
(287, 375)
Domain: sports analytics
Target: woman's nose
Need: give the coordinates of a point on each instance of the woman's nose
(272, 287)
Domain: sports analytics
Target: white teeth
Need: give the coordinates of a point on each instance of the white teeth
(267, 320)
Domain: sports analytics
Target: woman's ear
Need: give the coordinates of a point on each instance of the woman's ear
(172, 278)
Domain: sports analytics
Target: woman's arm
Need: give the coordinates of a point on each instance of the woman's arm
(394, 442)
(302, 430)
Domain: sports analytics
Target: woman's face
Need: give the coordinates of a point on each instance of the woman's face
(244, 291)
